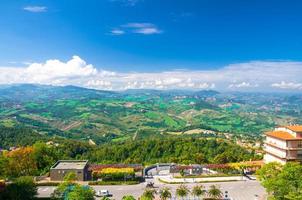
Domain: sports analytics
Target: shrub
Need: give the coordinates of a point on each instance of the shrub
(47, 184)
(23, 188)
(113, 183)
(114, 174)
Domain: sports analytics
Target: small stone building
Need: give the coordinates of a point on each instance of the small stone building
(62, 167)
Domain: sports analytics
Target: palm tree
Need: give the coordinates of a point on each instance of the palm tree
(215, 192)
(182, 191)
(128, 197)
(198, 191)
(149, 194)
(165, 193)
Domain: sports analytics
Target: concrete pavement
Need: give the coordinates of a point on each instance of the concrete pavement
(239, 190)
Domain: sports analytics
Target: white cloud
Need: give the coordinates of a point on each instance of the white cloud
(255, 76)
(99, 84)
(51, 72)
(132, 2)
(127, 2)
(138, 25)
(243, 85)
(287, 85)
(35, 9)
(147, 31)
(55, 69)
(140, 28)
(143, 28)
(117, 32)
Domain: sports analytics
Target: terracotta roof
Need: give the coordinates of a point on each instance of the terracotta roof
(295, 128)
(281, 135)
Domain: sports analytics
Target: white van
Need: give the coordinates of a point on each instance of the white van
(103, 193)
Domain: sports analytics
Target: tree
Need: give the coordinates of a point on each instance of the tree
(149, 194)
(21, 163)
(282, 182)
(71, 190)
(221, 158)
(62, 190)
(182, 191)
(198, 191)
(128, 197)
(70, 177)
(105, 198)
(165, 193)
(23, 188)
(182, 173)
(81, 193)
(3, 163)
(199, 158)
(215, 192)
(45, 156)
(294, 195)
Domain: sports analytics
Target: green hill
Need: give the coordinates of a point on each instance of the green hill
(103, 116)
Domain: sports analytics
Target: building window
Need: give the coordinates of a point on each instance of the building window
(299, 144)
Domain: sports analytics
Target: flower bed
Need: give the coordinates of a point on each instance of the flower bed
(113, 182)
(114, 174)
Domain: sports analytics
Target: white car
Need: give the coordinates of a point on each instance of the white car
(103, 193)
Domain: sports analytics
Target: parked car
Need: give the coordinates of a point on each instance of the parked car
(103, 193)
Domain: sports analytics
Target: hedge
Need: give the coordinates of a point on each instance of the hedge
(48, 184)
(113, 182)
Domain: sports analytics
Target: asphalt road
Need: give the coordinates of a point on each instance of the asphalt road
(239, 190)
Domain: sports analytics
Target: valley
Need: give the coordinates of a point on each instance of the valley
(104, 116)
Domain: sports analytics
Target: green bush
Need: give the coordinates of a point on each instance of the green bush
(116, 176)
(113, 182)
(48, 184)
(23, 188)
(207, 175)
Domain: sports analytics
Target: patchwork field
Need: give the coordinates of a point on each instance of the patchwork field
(104, 116)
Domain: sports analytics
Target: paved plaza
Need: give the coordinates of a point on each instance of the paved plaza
(238, 190)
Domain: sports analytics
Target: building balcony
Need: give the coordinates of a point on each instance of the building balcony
(294, 158)
(273, 153)
(283, 148)
(285, 157)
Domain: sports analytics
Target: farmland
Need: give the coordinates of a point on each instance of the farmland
(103, 116)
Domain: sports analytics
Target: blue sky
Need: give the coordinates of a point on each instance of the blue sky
(150, 38)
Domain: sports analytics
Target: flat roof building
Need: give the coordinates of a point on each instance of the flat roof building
(62, 167)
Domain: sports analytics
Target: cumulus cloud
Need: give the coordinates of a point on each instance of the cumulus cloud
(35, 9)
(255, 76)
(287, 85)
(53, 72)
